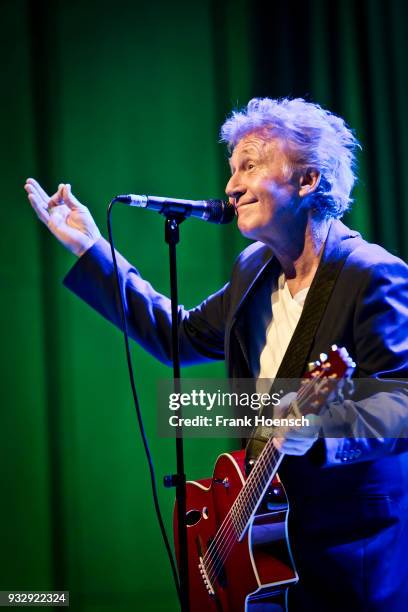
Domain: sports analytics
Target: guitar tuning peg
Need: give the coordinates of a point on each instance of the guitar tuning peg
(312, 365)
(323, 357)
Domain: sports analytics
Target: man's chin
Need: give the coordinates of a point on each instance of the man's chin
(247, 229)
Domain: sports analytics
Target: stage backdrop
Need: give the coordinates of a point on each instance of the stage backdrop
(128, 97)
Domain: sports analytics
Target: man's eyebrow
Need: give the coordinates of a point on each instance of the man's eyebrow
(244, 154)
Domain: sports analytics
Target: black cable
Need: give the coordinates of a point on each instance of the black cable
(137, 406)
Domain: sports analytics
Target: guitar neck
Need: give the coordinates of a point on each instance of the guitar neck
(255, 487)
(322, 379)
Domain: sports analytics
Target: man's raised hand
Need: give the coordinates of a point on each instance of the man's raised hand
(69, 220)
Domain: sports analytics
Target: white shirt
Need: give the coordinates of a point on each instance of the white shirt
(286, 311)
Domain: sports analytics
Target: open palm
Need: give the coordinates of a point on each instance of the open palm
(69, 220)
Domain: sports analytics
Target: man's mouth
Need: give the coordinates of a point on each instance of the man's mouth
(241, 204)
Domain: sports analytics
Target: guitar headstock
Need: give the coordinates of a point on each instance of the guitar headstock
(324, 377)
(337, 364)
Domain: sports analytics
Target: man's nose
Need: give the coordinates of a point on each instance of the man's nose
(234, 188)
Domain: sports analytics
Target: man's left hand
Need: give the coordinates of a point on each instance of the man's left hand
(295, 440)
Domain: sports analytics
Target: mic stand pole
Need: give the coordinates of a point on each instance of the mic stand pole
(172, 237)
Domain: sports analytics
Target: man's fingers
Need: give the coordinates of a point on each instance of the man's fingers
(42, 203)
(57, 199)
(40, 210)
(294, 446)
(33, 188)
(69, 199)
(281, 409)
(278, 443)
(38, 199)
(41, 199)
(297, 440)
(36, 187)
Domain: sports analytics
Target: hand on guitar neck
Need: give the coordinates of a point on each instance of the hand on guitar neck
(239, 554)
(294, 440)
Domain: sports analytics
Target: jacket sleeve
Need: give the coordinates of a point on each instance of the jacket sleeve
(376, 423)
(148, 313)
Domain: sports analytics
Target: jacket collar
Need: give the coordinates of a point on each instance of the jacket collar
(260, 260)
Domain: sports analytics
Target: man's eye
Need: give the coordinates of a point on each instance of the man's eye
(250, 166)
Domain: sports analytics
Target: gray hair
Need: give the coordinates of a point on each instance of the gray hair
(314, 137)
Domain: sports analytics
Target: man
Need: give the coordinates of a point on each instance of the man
(307, 282)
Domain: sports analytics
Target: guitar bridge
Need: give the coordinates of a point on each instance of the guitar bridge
(205, 577)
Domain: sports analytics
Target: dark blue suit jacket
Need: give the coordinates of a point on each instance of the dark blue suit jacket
(349, 497)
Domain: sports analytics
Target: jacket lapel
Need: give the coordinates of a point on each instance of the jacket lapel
(338, 245)
(236, 332)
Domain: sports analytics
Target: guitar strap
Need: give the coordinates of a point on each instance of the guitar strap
(295, 360)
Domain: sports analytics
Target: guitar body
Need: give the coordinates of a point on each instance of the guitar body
(257, 569)
(238, 551)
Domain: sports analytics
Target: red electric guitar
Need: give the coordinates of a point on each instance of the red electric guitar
(238, 550)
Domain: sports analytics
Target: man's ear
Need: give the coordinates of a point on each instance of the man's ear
(309, 182)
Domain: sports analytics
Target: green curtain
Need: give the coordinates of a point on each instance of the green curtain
(112, 98)
(349, 56)
(128, 97)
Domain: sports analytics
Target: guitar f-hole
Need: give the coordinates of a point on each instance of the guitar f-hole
(194, 516)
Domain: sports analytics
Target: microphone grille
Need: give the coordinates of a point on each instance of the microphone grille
(220, 211)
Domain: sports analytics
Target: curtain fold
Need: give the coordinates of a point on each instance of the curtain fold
(130, 99)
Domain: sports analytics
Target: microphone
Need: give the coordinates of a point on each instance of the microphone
(213, 211)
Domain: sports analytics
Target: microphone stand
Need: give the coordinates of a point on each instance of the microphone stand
(172, 237)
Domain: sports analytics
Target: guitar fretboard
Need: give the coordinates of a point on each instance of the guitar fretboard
(256, 485)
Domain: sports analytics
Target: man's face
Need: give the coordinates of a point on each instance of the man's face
(261, 187)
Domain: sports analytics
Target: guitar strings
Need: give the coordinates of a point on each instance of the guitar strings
(246, 493)
(230, 538)
(228, 543)
(227, 533)
(230, 535)
(252, 482)
(223, 537)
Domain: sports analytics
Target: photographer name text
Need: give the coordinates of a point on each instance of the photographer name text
(246, 421)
